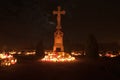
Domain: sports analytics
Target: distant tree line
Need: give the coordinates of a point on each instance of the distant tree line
(92, 47)
(40, 49)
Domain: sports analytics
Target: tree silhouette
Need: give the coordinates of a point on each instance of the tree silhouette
(40, 49)
(92, 47)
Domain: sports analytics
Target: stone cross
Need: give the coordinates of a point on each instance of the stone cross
(59, 12)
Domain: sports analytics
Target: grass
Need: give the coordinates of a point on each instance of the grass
(84, 69)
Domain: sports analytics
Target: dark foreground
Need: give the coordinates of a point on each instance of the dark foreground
(84, 69)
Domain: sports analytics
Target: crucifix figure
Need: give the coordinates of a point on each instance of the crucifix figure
(59, 12)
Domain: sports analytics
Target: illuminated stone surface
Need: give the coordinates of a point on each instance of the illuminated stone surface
(58, 54)
(58, 35)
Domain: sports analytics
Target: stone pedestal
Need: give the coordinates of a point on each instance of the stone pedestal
(58, 41)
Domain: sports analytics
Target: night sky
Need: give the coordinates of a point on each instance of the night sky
(26, 22)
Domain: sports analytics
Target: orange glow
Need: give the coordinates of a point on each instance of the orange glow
(58, 57)
(3, 56)
(30, 53)
(7, 60)
(110, 55)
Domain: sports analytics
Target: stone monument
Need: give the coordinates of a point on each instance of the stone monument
(58, 34)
